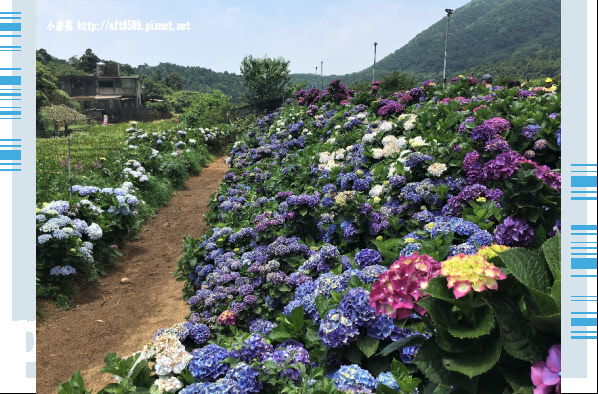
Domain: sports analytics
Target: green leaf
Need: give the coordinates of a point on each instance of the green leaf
(555, 293)
(482, 325)
(406, 382)
(479, 359)
(552, 253)
(323, 305)
(356, 282)
(73, 386)
(376, 365)
(515, 372)
(528, 267)
(351, 354)
(429, 361)
(303, 211)
(368, 345)
(401, 343)
(297, 318)
(545, 303)
(279, 334)
(516, 332)
(550, 324)
(336, 296)
(382, 389)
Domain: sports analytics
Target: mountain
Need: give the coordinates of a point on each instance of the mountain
(506, 38)
(482, 32)
(198, 79)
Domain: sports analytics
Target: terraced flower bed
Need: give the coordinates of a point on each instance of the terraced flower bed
(362, 244)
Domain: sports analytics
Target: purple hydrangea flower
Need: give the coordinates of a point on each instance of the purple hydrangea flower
(514, 232)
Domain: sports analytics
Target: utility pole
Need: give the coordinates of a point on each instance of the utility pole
(374, 74)
(448, 14)
(322, 73)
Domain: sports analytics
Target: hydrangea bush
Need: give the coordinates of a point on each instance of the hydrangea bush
(78, 234)
(394, 245)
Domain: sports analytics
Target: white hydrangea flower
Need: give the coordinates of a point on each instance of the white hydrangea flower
(170, 384)
(386, 125)
(340, 154)
(338, 126)
(376, 191)
(94, 231)
(390, 149)
(331, 140)
(325, 157)
(377, 153)
(437, 169)
(361, 115)
(417, 141)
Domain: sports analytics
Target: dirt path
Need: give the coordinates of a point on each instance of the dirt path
(120, 318)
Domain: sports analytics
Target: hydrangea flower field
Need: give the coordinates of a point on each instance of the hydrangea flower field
(358, 244)
(78, 235)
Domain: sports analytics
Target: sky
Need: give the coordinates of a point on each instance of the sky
(341, 33)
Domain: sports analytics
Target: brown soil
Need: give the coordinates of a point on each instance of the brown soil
(120, 318)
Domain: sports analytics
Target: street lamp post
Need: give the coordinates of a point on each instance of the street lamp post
(315, 78)
(448, 13)
(374, 73)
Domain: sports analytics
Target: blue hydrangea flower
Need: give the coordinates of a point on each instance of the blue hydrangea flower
(366, 257)
(205, 364)
(253, 348)
(261, 326)
(371, 273)
(354, 375)
(42, 239)
(388, 380)
(337, 330)
(200, 333)
(381, 327)
(245, 378)
(355, 305)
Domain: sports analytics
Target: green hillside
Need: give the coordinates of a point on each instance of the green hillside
(482, 33)
(506, 38)
(198, 79)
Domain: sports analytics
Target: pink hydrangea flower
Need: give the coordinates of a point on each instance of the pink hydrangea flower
(396, 290)
(546, 376)
(227, 317)
(470, 272)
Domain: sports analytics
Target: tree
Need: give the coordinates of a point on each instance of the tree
(180, 100)
(265, 78)
(361, 86)
(46, 90)
(43, 56)
(174, 81)
(208, 109)
(395, 81)
(88, 61)
(153, 89)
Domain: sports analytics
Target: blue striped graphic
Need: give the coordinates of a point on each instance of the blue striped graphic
(584, 322)
(10, 27)
(10, 80)
(584, 181)
(583, 264)
(10, 113)
(10, 155)
(584, 227)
